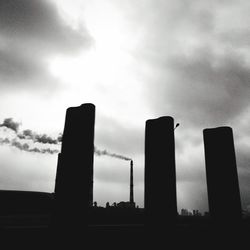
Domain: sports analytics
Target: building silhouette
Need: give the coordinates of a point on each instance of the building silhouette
(160, 174)
(74, 178)
(184, 212)
(221, 171)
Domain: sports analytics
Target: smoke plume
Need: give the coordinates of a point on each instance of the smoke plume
(26, 147)
(30, 141)
(105, 152)
(27, 140)
(41, 138)
(29, 134)
(9, 123)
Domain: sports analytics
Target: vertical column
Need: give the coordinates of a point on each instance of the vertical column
(74, 182)
(221, 171)
(58, 172)
(160, 174)
(131, 196)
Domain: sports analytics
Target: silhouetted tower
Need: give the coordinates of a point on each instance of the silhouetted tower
(74, 181)
(58, 173)
(131, 196)
(160, 175)
(222, 178)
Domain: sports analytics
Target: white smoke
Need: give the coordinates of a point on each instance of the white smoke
(30, 141)
(99, 152)
(27, 140)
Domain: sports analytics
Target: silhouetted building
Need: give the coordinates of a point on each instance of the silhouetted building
(221, 171)
(160, 176)
(206, 214)
(74, 181)
(58, 173)
(125, 204)
(184, 212)
(196, 213)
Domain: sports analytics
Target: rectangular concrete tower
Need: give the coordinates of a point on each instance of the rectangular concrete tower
(74, 181)
(160, 173)
(221, 171)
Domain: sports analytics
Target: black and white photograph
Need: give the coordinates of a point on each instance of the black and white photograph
(125, 123)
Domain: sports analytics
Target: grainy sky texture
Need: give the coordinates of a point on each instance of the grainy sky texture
(135, 60)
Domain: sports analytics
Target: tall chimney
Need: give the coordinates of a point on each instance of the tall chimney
(222, 178)
(131, 197)
(160, 175)
(74, 182)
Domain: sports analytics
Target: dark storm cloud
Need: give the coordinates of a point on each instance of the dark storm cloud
(207, 89)
(30, 31)
(203, 88)
(38, 23)
(23, 69)
(193, 54)
(14, 66)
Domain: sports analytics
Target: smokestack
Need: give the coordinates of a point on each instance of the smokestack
(221, 171)
(74, 183)
(160, 176)
(131, 197)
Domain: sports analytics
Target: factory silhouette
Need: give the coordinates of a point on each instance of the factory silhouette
(74, 177)
(74, 214)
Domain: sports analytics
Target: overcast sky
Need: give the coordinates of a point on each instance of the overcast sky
(135, 60)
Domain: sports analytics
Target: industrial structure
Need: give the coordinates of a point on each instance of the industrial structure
(131, 195)
(74, 178)
(221, 171)
(160, 174)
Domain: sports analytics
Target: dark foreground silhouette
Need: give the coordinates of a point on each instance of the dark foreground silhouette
(31, 223)
(67, 217)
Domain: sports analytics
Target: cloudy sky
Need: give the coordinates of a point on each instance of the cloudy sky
(135, 60)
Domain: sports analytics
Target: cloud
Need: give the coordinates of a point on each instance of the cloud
(193, 57)
(39, 22)
(30, 33)
(118, 137)
(205, 89)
